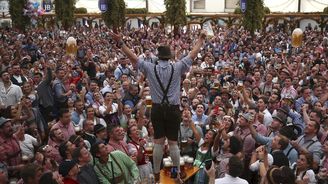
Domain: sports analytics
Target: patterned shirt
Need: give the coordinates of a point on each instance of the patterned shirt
(164, 73)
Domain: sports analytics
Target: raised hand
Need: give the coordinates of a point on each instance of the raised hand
(116, 37)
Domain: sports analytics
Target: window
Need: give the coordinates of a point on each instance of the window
(231, 4)
(199, 4)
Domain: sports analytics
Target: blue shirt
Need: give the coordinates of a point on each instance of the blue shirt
(164, 73)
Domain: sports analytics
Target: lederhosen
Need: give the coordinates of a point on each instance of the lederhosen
(165, 116)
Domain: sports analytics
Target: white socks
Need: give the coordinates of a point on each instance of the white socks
(175, 155)
(157, 157)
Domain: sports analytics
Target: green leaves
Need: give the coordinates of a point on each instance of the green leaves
(175, 12)
(114, 17)
(253, 16)
(16, 10)
(65, 12)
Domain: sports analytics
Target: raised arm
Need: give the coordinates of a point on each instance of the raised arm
(198, 45)
(120, 43)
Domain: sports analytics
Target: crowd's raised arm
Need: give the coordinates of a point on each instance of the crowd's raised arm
(127, 107)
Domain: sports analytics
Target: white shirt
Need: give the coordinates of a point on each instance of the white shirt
(27, 146)
(256, 165)
(227, 179)
(10, 96)
(102, 109)
(267, 119)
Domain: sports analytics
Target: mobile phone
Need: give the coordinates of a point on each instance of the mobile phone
(208, 164)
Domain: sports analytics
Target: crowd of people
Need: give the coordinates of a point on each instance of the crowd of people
(250, 108)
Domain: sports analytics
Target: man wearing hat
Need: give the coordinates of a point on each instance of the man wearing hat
(100, 132)
(10, 145)
(277, 127)
(244, 134)
(69, 170)
(164, 81)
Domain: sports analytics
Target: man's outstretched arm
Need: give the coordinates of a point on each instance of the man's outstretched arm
(198, 45)
(120, 43)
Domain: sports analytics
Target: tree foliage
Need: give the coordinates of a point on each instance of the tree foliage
(65, 12)
(114, 17)
(16, 9)
(253, 16)
(175, 12)
(81, 10)
(136, 11)
(325, 10)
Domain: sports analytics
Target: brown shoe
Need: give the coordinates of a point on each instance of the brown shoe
(157, 177)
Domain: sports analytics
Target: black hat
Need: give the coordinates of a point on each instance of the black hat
(284, 109)
(164, 52)
(98, 128)
(289, 132)
(66, 166)
(281, 118)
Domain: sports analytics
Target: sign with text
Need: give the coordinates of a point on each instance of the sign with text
(103, 5)
(243, 6)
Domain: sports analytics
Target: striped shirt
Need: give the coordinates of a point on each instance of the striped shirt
(164, 73)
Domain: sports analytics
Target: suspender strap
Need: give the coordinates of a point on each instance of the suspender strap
(165, 91)
(308, 146)
(290, 149)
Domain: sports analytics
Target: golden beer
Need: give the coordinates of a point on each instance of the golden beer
(184, 143)
(71, 46)
(149, 150)
(149, 102)
(297, 37)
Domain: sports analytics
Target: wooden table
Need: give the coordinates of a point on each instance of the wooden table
(165, 179)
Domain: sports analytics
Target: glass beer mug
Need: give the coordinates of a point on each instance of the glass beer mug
(148, 101)
(297, 37)
(71, 46)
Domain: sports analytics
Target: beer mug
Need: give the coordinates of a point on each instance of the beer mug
(297, 37)
(149, 148)
(71, 46)
(184, 142)
(182, 165)
(149, 102)
(189, 163)
(77, 130)
(240, 85)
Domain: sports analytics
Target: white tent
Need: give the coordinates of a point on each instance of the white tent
(217, 6)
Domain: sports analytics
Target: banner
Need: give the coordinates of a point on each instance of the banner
(47, 5)
(243, 6)
(103, 5)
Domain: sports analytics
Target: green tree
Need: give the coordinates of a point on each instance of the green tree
(114, 17)
(325, 10)
(65, 12)
(176, 13)
(252, 19)
(16, 9)
(81, 10)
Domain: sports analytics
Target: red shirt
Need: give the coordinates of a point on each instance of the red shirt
(70, 181)
(12, 150)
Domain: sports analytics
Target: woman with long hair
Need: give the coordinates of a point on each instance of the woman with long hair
(205, 152)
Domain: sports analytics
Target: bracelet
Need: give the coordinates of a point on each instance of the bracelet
(120, 44)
